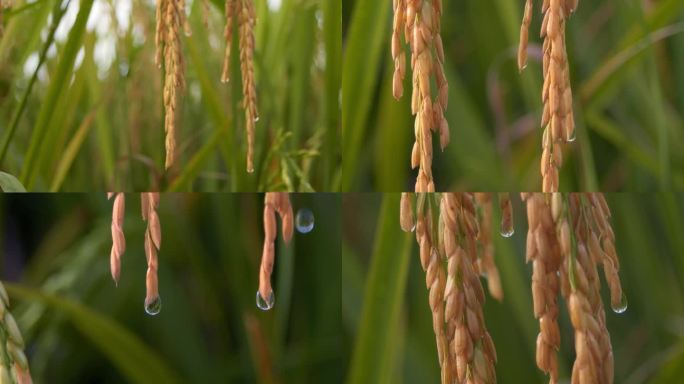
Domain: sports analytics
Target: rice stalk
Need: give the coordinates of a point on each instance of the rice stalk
(557, 118)
(242, 12)
(419, 21)
(274, 202)
(14, 368)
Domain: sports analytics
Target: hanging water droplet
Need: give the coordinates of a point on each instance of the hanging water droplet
(265, 304)
(572, 137)
(250, 170)
(304, 221)
(621, 307)
(256, 118)
(153, 307)
(507, 229)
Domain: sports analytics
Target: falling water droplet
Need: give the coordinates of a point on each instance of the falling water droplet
(621, 307)
(153, 307)
(304, 221)
(265, 304)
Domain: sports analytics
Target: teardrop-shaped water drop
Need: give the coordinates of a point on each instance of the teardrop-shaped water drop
(304, 221)
(267, 303)
(250, 170)
(153, 306)
(256, 118)
(621, 307)
(507, 229)
(572, 137)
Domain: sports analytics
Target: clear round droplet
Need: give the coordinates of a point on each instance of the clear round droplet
(265, 304)
(622, 305)
(250, 170)
(572, 137)
(304, 221)
(153, 307)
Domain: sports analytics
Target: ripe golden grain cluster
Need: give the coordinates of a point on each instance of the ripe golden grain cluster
(557, 117)
(170, 17)
(569, 237)
(455, 251)
(149, 201)
(14, 366)
(419, 22)
(243, 12)
(274, 202)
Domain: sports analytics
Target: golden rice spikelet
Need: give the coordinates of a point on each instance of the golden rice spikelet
(243, 12)
(563, 245)
(274, 202)
(465, 349)
(14, 368)
(170, 17)
(149, 202)
(486, 263)
(419, 21)
(470, 345)
(557, 118)
(118, 238)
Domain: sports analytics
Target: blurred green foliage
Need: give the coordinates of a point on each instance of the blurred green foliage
(80, 327)
(81, 100)
(648, 339)
(627, 74)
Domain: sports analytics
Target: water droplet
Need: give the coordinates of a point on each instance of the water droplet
(572, 137)
(304, 221)
(256, 119)
(153, 307)
(507, 229)
(250, 170)
(523, 67)
(413, 229)
(621, 307)
(265, 304)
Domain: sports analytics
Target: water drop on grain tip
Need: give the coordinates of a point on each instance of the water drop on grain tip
(304, 221)
(507, 230)
(265, 304)
(621, 307)
(573, 136)
(153, 307)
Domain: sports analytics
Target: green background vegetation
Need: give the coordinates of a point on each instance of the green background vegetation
(627, 75)
(80, 327)
(385, 302)
(78, 124)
